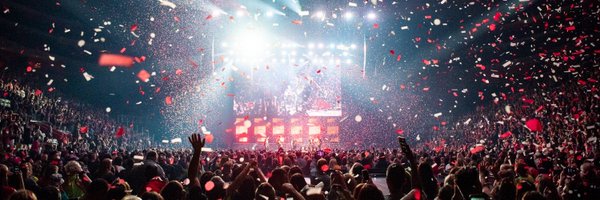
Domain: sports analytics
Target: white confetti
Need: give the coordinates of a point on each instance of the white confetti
(437, 22)
(167, 3)
(437, 114)
(108, 109)
(358, 118)
(81, 43)
(51, 58)
(87, 76)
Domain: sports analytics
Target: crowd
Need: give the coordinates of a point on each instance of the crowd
(490, 154)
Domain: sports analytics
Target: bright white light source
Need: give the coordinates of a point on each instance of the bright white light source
(371, 16)
(311, 45)
(270, 14)
(239, 13)
(353, 46)
(348, 15)
(321, 45)
(437, 22)
(320, 14)
(249, 43)
(215, 13)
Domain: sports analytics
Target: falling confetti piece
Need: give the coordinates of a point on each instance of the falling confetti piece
(358, 118)
(143, 75)
(115, 60)
(108, 109)
(87, 76)
(297, 22)
(168, 100)
(81, 43)
(167, 3)
(492, 27)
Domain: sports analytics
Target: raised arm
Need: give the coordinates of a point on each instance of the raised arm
(197, 143)
(416, 179)
(238, 180)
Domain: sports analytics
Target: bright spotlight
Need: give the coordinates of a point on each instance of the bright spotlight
(348, 15)
(371, 16)
(249, 43)
(239, 13)
(215, 13)
(270, 14)
(320, 14)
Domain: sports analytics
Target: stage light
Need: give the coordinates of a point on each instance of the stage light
(320, 15)
(371, 16)
(270, 14)
(239, 13)
(216, 13)
(348, 15)
(249, 43)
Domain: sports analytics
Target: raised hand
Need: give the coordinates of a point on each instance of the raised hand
(197, 142)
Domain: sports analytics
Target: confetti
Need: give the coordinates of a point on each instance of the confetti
(143, 75)
(167, 3)
(115, 60)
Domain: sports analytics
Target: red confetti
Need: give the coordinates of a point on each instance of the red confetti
(178, 72)
(318, 71)
(392, 52)
(29, 69)
(209, 138)
(534, 125)
(498, 16)
(168, 100)
(570, 28)
(83, 129)
(492, 27)
(399, 131)
(376, 25)
(143, 75)
(399, 57)
(115, 60)
(123, 50)
(208, 17)
(477, 149)
(38, 92)
(505, 135)
(120, 132)
(480, 66)
(297, 22)
(133, 27)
